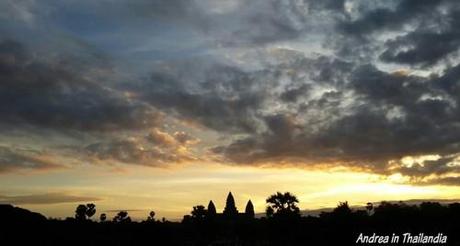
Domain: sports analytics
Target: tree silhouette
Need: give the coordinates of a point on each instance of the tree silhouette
(83, 212)
(230, 208)
(151, 217)
(90, 210)
(211, 209)
(103, 217)
(342, 210)
(269, 211)
(80, 212)
(282, 205)
(369, 207)
(122, 217)
(249, 211)
(198, 213)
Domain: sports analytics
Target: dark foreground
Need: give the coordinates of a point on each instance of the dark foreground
(339, 227)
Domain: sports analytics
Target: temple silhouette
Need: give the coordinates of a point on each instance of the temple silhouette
(230, 211)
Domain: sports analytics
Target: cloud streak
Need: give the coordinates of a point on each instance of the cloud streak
(48, 198)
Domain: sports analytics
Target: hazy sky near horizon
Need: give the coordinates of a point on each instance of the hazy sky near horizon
(163, 105)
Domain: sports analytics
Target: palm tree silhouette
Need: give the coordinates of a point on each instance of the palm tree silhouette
(122, 217)
(103, 217)
(282, 204)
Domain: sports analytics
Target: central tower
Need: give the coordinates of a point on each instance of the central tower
(230, 208)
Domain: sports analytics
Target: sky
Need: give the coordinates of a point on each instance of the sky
(163, 105)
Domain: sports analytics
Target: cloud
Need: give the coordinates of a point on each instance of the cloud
(374, 17)
(234, 22)
(60, 95)
(313, 111)
(425, 45)
(454, 181)
(48, 198)
(17, 160)
(372, 118)
(223, 100)
(359, 84)
(422, 166)
(178, 138)
(417, 33)
(22, 11)
(155, 149)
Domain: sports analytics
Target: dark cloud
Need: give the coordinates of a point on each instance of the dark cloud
(454, 181)
(229, 99)
(426, 45)
(277, 143)
(61, 94)
(219, 97)
(390, 116)
(419, 33)
(421, 168)
(291, 95)
(388, 17)
(48, 198)
(12, 159)
(314, 111)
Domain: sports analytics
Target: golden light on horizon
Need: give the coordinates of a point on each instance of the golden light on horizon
(171, 193)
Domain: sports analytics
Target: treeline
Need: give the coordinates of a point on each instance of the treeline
(281, 225)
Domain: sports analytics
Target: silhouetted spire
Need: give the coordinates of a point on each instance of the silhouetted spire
(249, 211)
(211, 209)
(230, 208)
